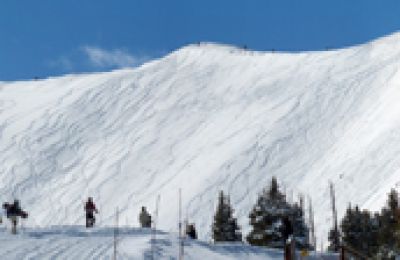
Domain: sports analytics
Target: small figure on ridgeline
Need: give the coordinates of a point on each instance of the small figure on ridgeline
(13, 212)
(144, 218)
(90, 209)
(191, 231)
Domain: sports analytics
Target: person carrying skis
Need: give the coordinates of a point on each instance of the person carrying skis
(13, 212)
(90, 209)
(144, 218)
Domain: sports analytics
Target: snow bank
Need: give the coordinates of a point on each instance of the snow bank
(76, 242)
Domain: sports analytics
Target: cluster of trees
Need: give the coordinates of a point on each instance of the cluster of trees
(273, 220)
(375, 234)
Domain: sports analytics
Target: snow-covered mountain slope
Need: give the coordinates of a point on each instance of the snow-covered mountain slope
(205, 118)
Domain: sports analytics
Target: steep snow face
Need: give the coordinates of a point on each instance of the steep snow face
(202, 119)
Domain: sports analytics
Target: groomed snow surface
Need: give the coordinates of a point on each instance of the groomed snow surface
(77, 242)
(204, 118)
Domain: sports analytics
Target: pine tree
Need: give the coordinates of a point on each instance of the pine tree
(360, 231)
(348, 227)
(389, 221)
(225, 227)
(272, 217)
(300, 229)
(266, 218)
(376, 235)
(372, 234)
(397, 232)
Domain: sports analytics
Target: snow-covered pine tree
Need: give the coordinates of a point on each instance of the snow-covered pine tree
(266, 217)
(269, 215)
(225, 227)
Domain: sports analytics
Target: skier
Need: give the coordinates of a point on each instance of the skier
(144, 218)
(191, 231)
(90, 209)
(13, 211)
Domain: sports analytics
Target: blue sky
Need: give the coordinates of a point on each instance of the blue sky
(54, 37)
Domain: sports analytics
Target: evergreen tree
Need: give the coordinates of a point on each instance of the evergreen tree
(266, 218)
(376, 235)
(269, 219)
(360, 231)
(389, 221)
(300, 229)
(348, 226)
(369, 233)
(397, 232)
(225, 227)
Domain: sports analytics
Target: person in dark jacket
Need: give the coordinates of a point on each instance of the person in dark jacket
(90, 209)
(13, 212)
(191, 231)
(145, 218)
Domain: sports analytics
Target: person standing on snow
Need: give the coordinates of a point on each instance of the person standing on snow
(191, 231)
(144, 218)
(13, 212)
(90, 209)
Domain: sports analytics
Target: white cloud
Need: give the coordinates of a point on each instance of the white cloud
(119, 58)
(93, 58)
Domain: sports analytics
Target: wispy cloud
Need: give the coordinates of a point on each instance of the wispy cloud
(119, 58)
(93, 58)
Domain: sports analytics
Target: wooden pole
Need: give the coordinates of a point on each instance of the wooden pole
(116, 234)
(313, 239)
(342, 253)
(154, 233)
(334, 216)
(181, 250)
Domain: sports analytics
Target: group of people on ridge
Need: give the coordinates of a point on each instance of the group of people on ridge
(144, 218)
(14, 212)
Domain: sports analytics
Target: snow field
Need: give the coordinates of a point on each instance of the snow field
(205, 118)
